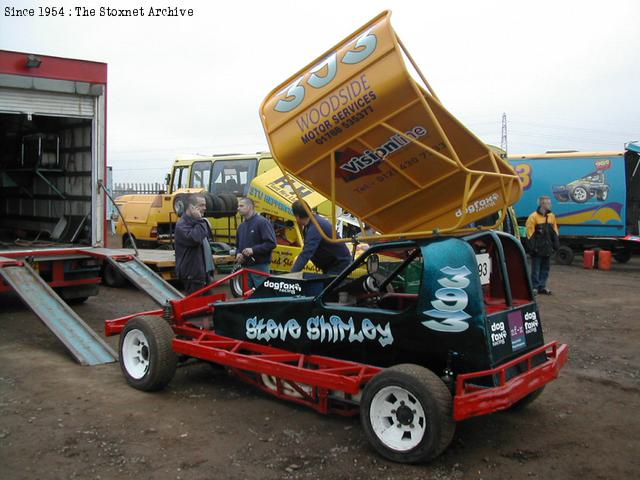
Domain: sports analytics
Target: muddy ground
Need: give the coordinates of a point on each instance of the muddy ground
(59, 420)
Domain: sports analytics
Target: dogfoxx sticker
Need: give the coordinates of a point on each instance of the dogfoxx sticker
(283, 287)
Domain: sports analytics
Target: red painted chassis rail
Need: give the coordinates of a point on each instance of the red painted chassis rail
(471, 400)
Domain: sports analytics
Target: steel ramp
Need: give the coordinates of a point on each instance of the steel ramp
(80, 339)
(145, 279)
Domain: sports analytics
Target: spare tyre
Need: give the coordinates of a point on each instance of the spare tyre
(218, 208)
(230, 203)
(208, 198)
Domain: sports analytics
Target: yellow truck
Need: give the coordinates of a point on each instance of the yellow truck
(151, 218)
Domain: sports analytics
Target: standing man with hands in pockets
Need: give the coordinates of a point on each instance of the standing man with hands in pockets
(542, 233)
(255, 241)
(194, 261)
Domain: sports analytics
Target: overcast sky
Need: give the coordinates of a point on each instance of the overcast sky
(566, 73)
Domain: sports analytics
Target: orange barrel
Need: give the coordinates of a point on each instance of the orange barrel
(589, 259)
(604, 260)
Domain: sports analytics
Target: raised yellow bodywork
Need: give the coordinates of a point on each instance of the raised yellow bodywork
(355, 126)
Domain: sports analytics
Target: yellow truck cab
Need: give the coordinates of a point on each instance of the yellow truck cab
(151, 218)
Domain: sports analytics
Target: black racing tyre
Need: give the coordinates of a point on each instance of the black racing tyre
(230, 203)
(602, 195)
(407, 414)
(218, 208)
(180, 203)
(564, 255)
(146, 358)
(208, 200)
(579, 194)
(623, 255)
(523, 402)
(111, 277)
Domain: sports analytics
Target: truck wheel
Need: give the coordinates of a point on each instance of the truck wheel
(146, 358)
(111, 277)
(622, 256)
(406, 413)
(602, 195)
(579, 194)
(523, 402)
(564, 255)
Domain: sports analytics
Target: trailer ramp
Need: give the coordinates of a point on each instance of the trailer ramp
(144, 278)
(80, 339)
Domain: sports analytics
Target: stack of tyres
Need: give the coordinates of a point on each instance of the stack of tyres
(218, 206)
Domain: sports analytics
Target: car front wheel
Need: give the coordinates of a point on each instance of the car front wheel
(147, 359)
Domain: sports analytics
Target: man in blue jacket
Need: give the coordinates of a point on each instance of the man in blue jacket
(255, 240)
(194, 262)
(331, 258)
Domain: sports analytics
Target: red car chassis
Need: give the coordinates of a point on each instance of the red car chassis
(329, 385)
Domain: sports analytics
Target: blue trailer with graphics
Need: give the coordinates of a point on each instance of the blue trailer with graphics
(595, 195)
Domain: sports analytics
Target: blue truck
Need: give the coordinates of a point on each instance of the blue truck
(595, 195)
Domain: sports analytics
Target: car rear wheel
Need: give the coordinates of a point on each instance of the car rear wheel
(147, 359)
(406, 413)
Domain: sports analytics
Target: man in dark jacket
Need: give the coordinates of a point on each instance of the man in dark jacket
(255, 240)
(194, 262)
(331, 258)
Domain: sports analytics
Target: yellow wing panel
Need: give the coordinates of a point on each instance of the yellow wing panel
(355, 126)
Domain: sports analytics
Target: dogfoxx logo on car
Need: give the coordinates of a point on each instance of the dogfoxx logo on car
(480, 205)
(531, 323)
(498, 334)
(283, 287)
